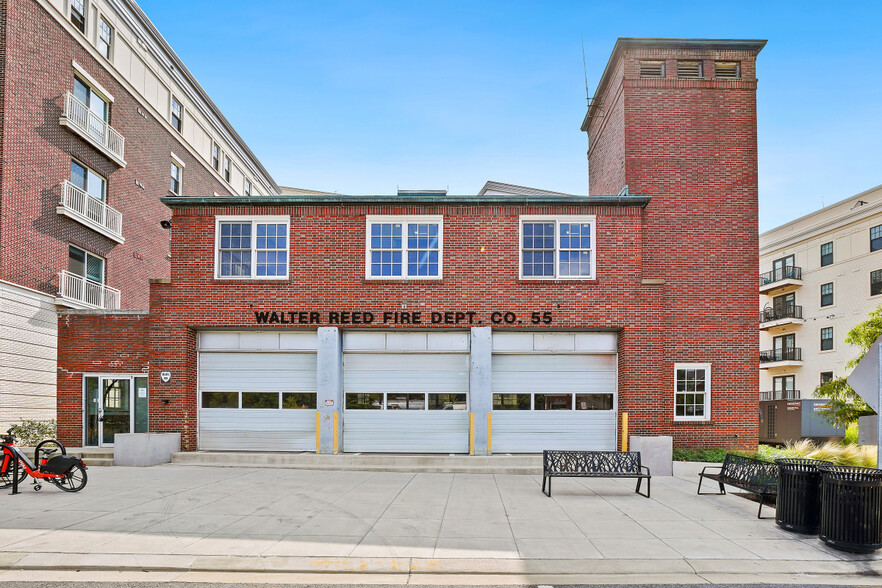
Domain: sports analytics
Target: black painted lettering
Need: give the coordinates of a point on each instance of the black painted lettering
(261, 317)
(416, 318)
(437, 317)
(315, 317)
(283, 318)
(333, 318)
(368, 317)
(274, 317)
(471, 316)
(387, 317)
(496, 318)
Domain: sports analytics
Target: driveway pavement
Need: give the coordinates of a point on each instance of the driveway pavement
(191, 523)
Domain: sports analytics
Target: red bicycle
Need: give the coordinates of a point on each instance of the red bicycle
(66, 472)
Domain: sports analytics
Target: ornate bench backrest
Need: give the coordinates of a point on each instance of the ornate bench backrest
(599, 462)
(750, 471)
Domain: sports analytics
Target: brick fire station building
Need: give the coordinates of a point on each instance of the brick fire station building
(513, 320)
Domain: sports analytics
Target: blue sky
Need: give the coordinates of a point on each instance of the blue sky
(366, 97)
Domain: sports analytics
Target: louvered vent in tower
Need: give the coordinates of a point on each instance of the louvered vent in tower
(727, 69)
(688, 69)
(652, 69)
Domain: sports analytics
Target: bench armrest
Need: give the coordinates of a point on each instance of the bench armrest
(643, 467)
(710, 467)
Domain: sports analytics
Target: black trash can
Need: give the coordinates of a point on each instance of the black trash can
(851, 508)
(799, 495)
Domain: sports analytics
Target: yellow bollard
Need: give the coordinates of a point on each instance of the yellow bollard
(624, 431)
(318, 432)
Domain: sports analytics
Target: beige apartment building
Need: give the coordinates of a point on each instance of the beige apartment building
(822, 274)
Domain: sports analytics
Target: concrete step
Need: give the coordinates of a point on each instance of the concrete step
(448, 464)
(98, 461)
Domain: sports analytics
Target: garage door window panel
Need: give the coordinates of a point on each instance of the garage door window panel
(447, 402)
(253, 249)
(512, 401)
(559, 248)
(404, 248)
(220, 400)
(594, 401)
(358, 401)
(298, 400)
(260, 400)
(553, 402)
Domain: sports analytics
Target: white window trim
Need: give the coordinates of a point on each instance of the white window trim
(404, 220)
(832, 338)
(99, 89)
(180, 165)
(110, 47)
(277, 219)
(86, 264)
(171, 112)
(558, 219)
(707, 390)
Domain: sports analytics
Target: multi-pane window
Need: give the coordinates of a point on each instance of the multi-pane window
(826, 377)
(561, 248)
(215, 156)
(253, 248)
(827, 294)
(177, 115)
(692, 391)
(404, 247)
(176, 176)
(226, 168)
(826, 253)
(105, 37)
(826, 338)
(78, 14)
(539, 401)
(87, 181)
(266, 400)
(875, 282)
(247, 189)
(85, 264)
(98, 107)
(876, 238)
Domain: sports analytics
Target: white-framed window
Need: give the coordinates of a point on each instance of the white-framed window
(85, 264)
(95, 102)
(177, 115)
(78, 14)
(105, 37)
(404, 247)
(557, 248)
(215, 156)
(88, 181)
(249, 247)
(226, 168)
(177, 176)
(247, 189)
(692, 391)
(827, 339)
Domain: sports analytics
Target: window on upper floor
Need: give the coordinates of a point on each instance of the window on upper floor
(247, 188)
(826, 377)
(88, 181)
(96, 103)
(692, 387)
(78, 14)
(105, 38)
(255, 247)
(689, 69)
(826, 338)
(652, 69)
(826, 253)
(875, 282)
(557, 248)
(876, 238)
(226, 168)
(215, 156)
(85, 264)
(401, 247)
(827, 294)
(727, 70)
(177, 176)
(177, 115)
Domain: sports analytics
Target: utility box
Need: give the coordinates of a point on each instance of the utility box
(791, 420)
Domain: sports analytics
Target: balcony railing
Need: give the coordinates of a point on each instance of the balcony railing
(82, 207)
(86, 292)
(783, 312)
(93, 128)
(780, 395)
(790, 272)
(785, 354)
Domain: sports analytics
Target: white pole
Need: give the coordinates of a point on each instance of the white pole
(879, 410)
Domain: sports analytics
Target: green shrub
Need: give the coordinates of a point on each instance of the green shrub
(29, 433)
(710, 455)
(851, 434)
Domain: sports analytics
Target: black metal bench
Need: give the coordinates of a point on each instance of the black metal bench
(593, 464)
(753, 475)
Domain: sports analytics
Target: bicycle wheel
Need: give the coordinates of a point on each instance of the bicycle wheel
(73, 481)
(6, 479)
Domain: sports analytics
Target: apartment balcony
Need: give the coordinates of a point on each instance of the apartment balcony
(83, 208)
(79, 292)
(786, 357)
(780, 395)
(777, 317)
(91, 127)
(780, 278)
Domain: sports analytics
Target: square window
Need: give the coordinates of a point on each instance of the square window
(404, 247)
(255, 248)
(692, 391)
(826, 254)
(876, 238)
(557, 248)
(827, 294)
(826, 377)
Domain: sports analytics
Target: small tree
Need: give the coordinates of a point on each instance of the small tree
(845, 405)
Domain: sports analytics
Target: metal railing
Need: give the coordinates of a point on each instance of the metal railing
(87, 292)
(780, 395)
(93, 127)
(783, 312)
(785, 354)
(81, 204)
(790, 272)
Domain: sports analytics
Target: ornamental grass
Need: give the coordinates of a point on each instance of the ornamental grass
(838, 453)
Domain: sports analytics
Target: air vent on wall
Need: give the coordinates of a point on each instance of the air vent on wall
(688, 69)
(652, 69)
(727, 69)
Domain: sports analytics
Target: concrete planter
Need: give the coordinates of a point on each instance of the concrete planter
(656, 453)
(144, 449)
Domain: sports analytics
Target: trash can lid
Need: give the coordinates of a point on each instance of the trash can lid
(801, 464)
(852, 473)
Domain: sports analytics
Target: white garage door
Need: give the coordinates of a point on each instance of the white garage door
(553, 391)
(406, 392)
(257, 391)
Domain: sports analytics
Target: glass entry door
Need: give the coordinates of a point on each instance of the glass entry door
(114, 404)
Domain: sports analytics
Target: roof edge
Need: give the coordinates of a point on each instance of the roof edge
(342, 200)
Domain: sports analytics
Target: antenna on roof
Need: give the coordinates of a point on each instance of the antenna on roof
(585, 70)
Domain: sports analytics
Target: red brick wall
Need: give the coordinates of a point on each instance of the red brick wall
(37, 152)
(94, 342)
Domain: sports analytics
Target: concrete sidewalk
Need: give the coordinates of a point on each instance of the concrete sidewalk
(188, 523)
